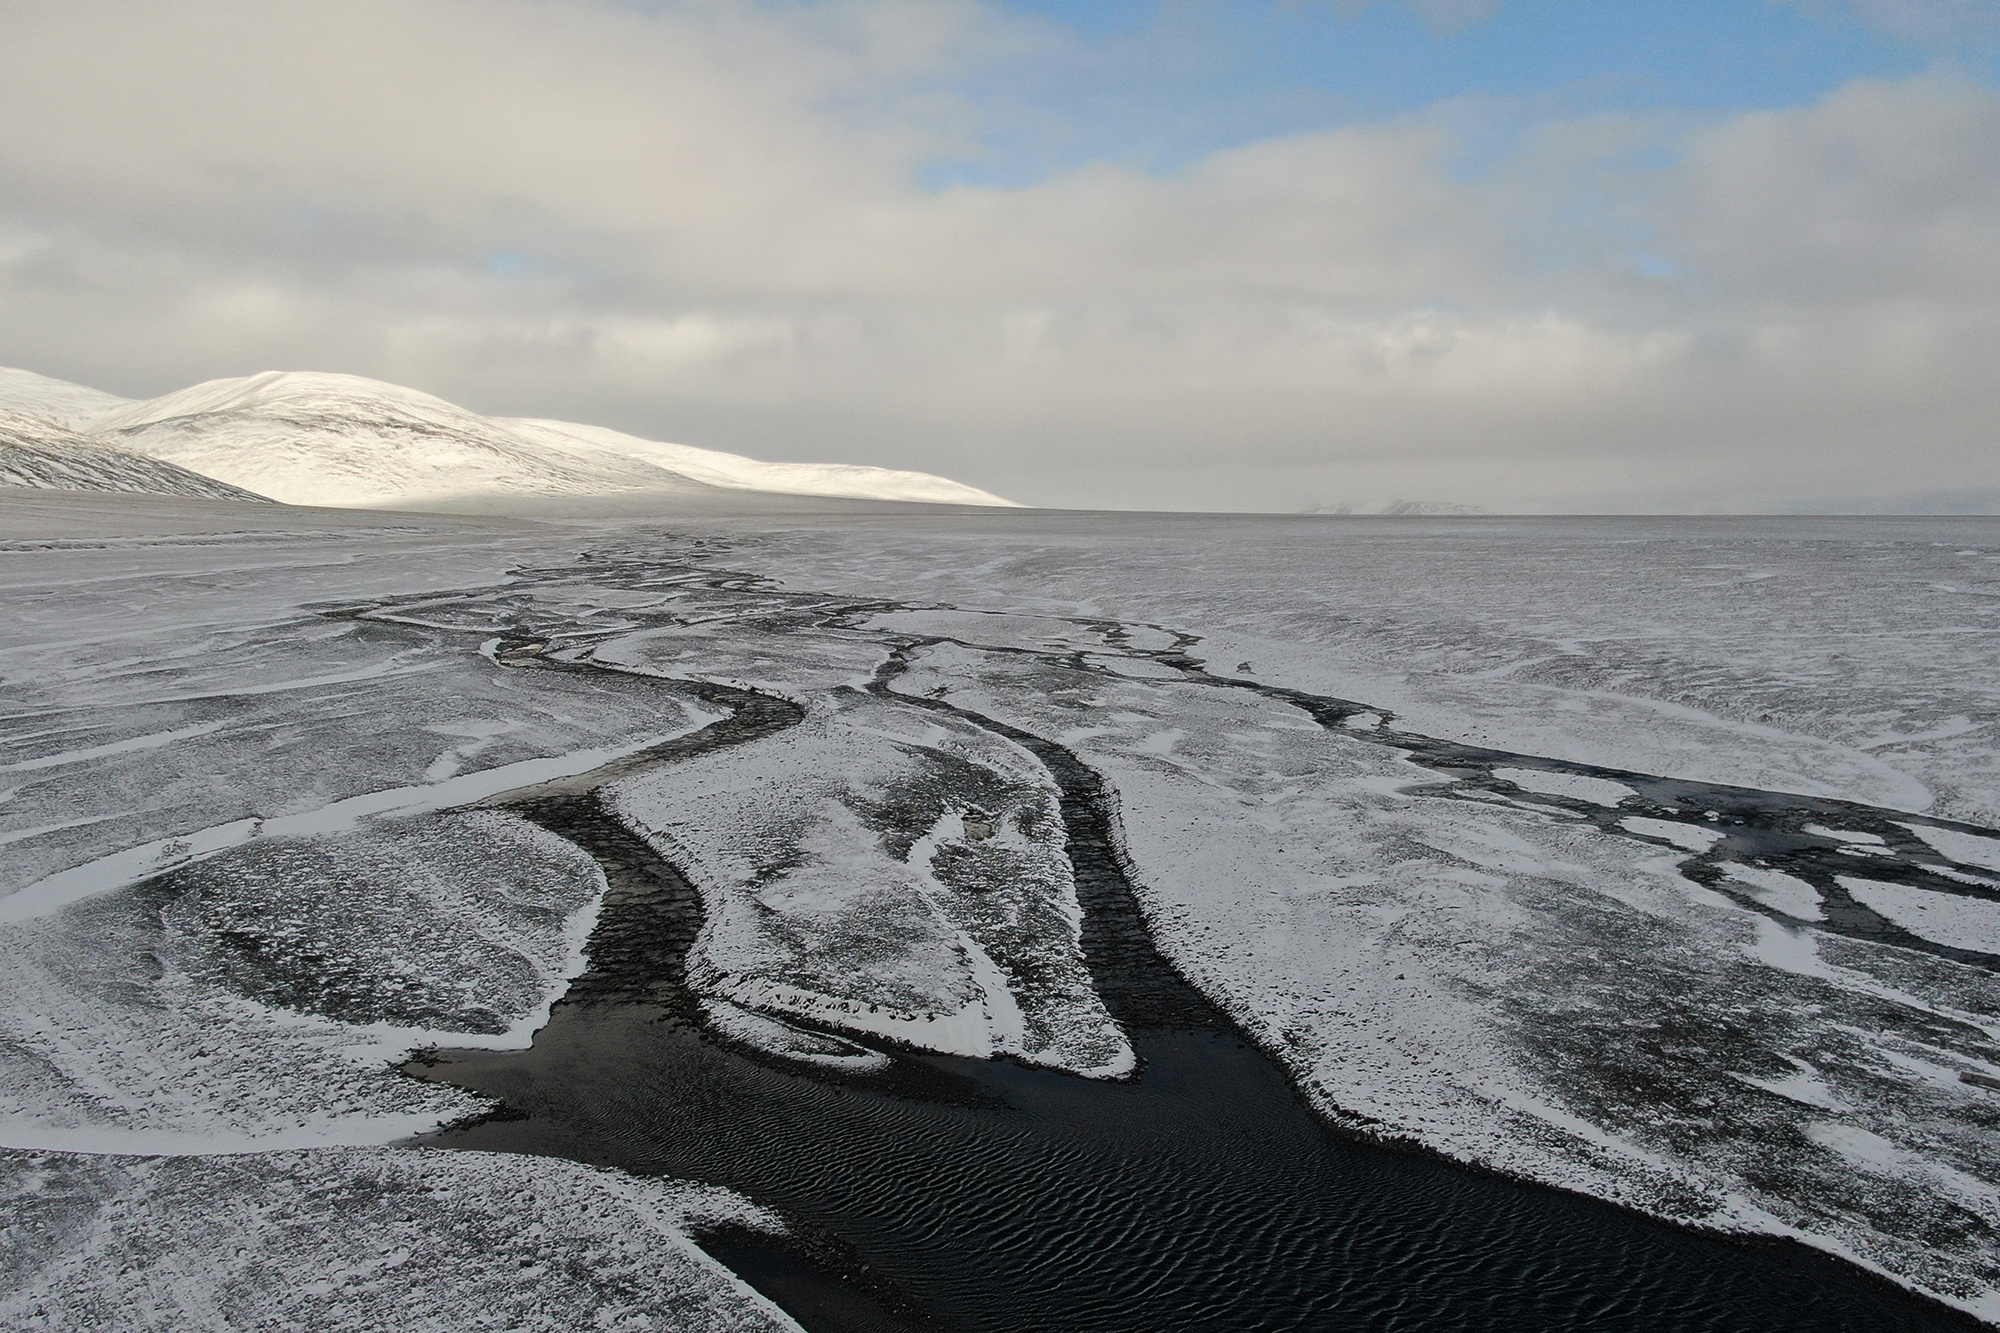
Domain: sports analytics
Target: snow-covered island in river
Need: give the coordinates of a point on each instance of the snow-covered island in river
(1649, 860)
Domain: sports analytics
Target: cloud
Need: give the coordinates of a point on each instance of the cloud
(702, 221)
(1924, 22)
(1881, 195)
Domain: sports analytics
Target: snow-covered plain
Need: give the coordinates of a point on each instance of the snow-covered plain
(1482, 970)
(240, 1012)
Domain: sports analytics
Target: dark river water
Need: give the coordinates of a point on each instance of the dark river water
(949, 1193)
(982, 1195)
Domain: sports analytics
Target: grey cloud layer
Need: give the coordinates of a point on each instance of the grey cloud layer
(700, 223)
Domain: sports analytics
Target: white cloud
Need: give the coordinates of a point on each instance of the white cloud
(1928, 22)
(1883, 193)
(701, 221)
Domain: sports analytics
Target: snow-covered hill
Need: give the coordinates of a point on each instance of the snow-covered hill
(735, 472)
(66, 404)
(345, 441)
(39, 453)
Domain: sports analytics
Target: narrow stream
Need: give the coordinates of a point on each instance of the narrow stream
(949, 1193)
(1785, 831)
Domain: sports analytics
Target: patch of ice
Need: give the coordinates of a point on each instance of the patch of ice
(1774, 888)
(1599, 791)
(128, 867)
(1691, 837)
(42, 830)
(152, 741)
(1942, 918)
(1965, 848)
(1787, 949)
(1845, 835)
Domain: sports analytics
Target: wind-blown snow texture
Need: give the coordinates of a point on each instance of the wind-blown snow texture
(1536, 987)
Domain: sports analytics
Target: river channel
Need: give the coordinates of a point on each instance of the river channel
(1204, 1194)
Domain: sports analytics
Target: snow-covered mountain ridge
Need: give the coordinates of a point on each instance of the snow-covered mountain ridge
(348, 442)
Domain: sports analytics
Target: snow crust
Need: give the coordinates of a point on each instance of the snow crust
(141, 930)
(1968, 848)
(1509, 985)
(273, 896)
(1792, 896)
(1684, 647)
(1599, 791)
(1686, 836)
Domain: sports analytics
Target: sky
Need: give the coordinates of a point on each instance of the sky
(1270, 255)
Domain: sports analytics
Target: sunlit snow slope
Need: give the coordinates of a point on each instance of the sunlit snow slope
(342, 440)
(66, 404)
(735, 472)
(37, 452)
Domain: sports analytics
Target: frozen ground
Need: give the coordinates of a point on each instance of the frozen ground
(239, 772)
